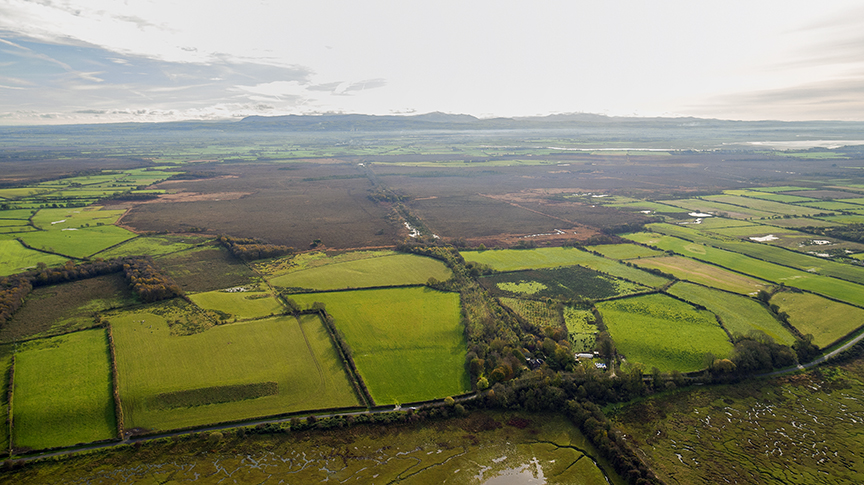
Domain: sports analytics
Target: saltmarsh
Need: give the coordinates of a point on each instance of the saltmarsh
(660, 331)
(408, 343)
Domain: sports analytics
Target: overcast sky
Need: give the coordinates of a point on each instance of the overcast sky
(64, 61)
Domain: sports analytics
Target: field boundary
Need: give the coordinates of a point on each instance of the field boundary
(10, 391)
(115, 382)
(345, 353)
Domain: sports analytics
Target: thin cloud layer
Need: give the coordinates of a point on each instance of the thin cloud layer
(102, 60)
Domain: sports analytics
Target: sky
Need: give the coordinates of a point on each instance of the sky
(93, 61)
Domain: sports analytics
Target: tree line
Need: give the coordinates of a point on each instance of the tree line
(250, 249)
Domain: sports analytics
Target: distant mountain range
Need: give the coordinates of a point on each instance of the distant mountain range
(591, 125)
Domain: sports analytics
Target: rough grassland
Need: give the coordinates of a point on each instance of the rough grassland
(16, 258)
(706, 274)
(659, 331)
(398, 269)
(63, 391)
(539, 313)
(56, 309)
(241, 304)
(738, 313)
(298, 356)
(827, 320)
(517, 259)
(408, 343)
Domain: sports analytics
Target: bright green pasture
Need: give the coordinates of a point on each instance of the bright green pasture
(795, 222)
(518, 259)
(764, 205)
(660, 331)
(832, 205)
(845, 219)
(712, 223)
(769, 196)
(625, 251)
(151, 246)
(77, 243)
(253, 303)
(827, 320)
(772, 253)
(824, 285)
(15, 230)
(21, 214)
(408, 343)
(19, 192)
(713, 207)
(397, 269)
(78, 217)
(297, 355)
(704, 273)
(13, 223)
(858, 201)
(783, 188)
(739, 314)
(15, 258)
(645, 205)
(63, 391)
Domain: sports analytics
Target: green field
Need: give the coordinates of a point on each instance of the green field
(392, 270)
(660, 331)
(824, 285)
(77, 243)
(827, 320)
(739, 314)
(295, 354)
(624, 251)
(718, 208)
(246, 303)
(703, 273)
(16, 258)
(769, 196)
(63, 391)
(519, 259)
(152, 246)
(81, 217)
(764, 205)
(408, 343)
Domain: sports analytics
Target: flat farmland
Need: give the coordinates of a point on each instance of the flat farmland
(825, 285)
(765, 205)
(827, 320)
(56, 309)
(718, 208)
(290, 207)
(660, 331)
(703, 273)
(77, 243)
(408, 343)
(711, 223)
(624, 251)
(241, 304)
(520, 259)
(152, 246)
(775, 197)
(16, 258)
(738, 313)
(74, 218)
(63, 391)
(5, 365)
(153, 364)
(796, 222)
(391, 270)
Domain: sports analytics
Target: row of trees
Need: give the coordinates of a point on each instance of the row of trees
(250, 249)
(13, 291)
(148, 281)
